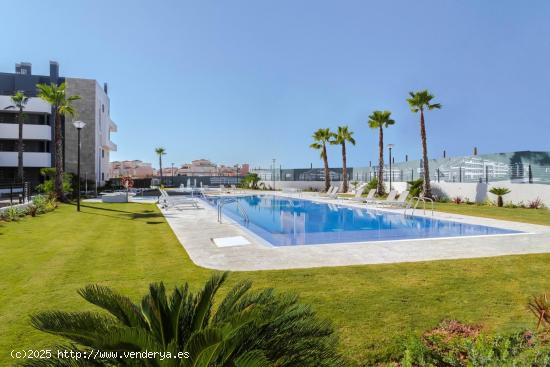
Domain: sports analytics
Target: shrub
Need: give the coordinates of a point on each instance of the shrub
(40, 202)
(48, 187)
(415, 187)
(457, 199)
(499, 192)
(535, 204)
(13, 213)
(247, 328)
(32, 210)
(372, 184)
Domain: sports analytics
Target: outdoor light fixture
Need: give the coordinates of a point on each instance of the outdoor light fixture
(79, 125)
(390, 147)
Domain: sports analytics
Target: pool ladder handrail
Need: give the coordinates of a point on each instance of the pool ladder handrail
(418, 200)
(224, 201)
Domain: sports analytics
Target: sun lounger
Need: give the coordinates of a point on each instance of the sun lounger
(400, 202)
(334, 193)
(359, 195)
(391, 197)
(166, 201)
(329, 191)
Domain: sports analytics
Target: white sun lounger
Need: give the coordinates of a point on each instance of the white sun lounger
(166, 201)
(358, 195)
(391, 197)
(400, 202)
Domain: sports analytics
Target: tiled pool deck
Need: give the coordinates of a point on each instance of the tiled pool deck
(196, 228)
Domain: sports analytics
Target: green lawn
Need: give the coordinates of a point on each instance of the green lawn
(535, 216)
(44, 260)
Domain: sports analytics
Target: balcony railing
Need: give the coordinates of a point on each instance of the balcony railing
(30, 132)
(30, 159)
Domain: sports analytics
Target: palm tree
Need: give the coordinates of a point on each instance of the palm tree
(418, 102)
(499, 192)
(56, 96)
(321, 137)
(380, 120)
(342, 136)
(160, 151)
(246, 329)
(19, 100)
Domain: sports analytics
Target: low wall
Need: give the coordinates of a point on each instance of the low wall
(478, 192)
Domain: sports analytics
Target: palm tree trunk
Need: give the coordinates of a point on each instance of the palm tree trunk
(380, 187)
(426, 187)
(58, 158)
(20, 174)
(160, 168)
(325, 161)
(344, 168)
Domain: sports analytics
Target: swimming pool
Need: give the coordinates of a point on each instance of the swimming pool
(285, 221)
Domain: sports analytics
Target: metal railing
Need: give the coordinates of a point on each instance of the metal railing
(240, 209)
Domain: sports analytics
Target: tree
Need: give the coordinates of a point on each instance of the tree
(160, 152)
(246, 329)
(321, 137)
(56, 96)
(418, 102)
(250, 181)
(19, 100)
(380, 120)
(499, 192)
(342, 136)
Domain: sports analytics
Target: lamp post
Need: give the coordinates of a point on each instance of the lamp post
(273, 174)
(79, 125)
(390, 147)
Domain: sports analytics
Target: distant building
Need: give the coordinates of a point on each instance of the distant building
(204, 168)
(134, 169)
(38, 132)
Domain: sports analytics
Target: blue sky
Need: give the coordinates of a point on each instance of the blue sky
(248, 81)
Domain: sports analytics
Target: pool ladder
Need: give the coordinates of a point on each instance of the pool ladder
(418, 200)
(241, 210)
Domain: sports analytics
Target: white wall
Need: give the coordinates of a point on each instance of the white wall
(30, 132)
(34, 104)
(477, 192)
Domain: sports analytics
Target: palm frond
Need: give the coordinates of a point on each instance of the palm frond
(205, 298)
(255, 358)
(81, 327)
(121, 307)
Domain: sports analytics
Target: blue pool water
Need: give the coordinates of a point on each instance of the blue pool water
(289, 221)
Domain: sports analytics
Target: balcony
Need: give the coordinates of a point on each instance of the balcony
(34, 105)
(9, 159)
(112, 126)
(30, 132)
(110, 146)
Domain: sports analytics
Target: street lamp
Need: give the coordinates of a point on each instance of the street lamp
(390, 147)
(79, 125)
(273, 174)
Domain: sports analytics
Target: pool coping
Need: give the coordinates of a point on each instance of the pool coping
(196, 228)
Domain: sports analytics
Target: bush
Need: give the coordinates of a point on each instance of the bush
(32, 210)
(457, 200)
(13, 213)
(372, 184)
(453, 343)
(40, 202)
(415, 187)
(48, 187)
(535, 204)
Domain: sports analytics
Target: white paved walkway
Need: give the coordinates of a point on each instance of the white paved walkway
(195, 230)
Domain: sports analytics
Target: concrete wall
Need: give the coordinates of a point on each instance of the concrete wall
(478, 192)
(85, 108)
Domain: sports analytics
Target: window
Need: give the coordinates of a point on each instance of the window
(102, 176)
(102, 107)
(102, 153)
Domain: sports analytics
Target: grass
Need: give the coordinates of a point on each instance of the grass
(534, 216)
(44, 260)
